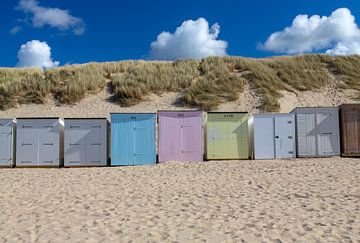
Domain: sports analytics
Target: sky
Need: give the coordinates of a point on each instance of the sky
(49, 33)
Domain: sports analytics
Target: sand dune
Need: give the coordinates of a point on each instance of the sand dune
(100, 105)
(221, 201)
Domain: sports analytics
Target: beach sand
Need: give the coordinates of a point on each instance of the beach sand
(304, 200)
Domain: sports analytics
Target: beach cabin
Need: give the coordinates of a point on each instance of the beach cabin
(350, 129)
(85, 142)
(38, 142)
(227, 135)
(133, 139)
(272, 136)
(317, 131)
(180, 136)
(7, 131)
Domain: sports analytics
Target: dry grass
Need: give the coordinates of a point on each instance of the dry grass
(21, 86)
(142, 78)
(347, 68)
(204, 83)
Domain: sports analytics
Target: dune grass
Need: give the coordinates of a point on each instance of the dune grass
(204, 83)
(143, 78)
(21, 86)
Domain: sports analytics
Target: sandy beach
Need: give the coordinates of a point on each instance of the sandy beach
(304, 200)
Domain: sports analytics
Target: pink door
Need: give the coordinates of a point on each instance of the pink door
(169, 136)
(180, 136)
(192, 139)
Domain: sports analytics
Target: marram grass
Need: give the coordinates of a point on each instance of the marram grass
(203, 83)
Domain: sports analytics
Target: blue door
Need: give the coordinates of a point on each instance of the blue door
(133, 139)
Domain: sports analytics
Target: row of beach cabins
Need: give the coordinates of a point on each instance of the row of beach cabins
(147, 138)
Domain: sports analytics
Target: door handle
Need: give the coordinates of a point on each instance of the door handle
(276, 136)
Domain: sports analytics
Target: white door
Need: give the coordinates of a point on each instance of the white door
(27, 145)
(328, 136)
(95, 147)
(285, 137)
(306, 135)
(264, 147)
(75, 144)
(48, 144)
(6, 140)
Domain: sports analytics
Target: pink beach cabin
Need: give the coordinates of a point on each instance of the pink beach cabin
(180, 136)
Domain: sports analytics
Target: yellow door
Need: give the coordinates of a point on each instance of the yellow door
(227, 136)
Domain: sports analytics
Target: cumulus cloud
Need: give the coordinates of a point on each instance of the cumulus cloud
(192, 39)
(36, 54)
(53, 17)
(346, 48)
(337, 34)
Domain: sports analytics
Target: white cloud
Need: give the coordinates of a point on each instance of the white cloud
(53, 17)
(193, 39)
(337, 34)
(348, 48)
(36, 54)
(16, 29)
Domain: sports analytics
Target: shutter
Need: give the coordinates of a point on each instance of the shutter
(122, 139)
(27, 144)
(191, 137)
(75, 143)
(264, 147)
(48, 144)
(94, 145)
(328, 133)
(170, 135)
(218, 139)
(140, 147)
(6, 139)
(143, 141)
(351, 130)
(306, 134)
(285, 136)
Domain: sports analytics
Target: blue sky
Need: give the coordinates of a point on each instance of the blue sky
(117, 30)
